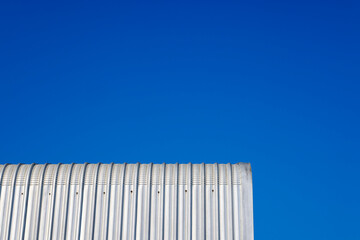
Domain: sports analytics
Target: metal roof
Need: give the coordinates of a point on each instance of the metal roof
(126, 201)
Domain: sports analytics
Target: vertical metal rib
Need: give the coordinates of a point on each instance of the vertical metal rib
(82, 198)
(136, 197)
(12, 198)
(38, 219)
(53, 201)
(122, 201)
(163, 206)
(95, 198)
(1, 176)
(241, 202)
(149, 198)
(177, 201)
(27, 186)
(204, 197)
(108, 202)
(232, 200)
(218, 198)
(190, 199)
(67, 199)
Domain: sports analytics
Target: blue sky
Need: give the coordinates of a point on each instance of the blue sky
(272, 83)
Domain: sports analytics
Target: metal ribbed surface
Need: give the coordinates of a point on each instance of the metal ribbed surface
(126, 201)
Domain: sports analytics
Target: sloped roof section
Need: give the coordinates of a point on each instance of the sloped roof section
(126, 201)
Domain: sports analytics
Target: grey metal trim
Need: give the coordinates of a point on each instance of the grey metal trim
(204, 196)
(149, 197)
(177, 201)
(218, 197)
(122, 201)
(136, 197)
(40, 199)
(163, 200)
(82, 198)
(27, 184)
(108, 203)
(12, 199)
(190, 198)
(53, 200)
(232, 198)
(67, 199)
(1, 176)
(95, 198)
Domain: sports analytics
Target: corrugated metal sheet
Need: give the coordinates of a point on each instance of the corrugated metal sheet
(126, 201)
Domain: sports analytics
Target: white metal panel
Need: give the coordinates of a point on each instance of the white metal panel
(126, 201)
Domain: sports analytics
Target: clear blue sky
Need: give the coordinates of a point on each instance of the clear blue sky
(276, 84)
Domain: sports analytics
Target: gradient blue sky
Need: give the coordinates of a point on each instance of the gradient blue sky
(272, 83)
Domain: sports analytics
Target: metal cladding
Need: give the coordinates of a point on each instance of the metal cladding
(126, 201)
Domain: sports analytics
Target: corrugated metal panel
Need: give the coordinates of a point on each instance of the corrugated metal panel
(126, 201)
